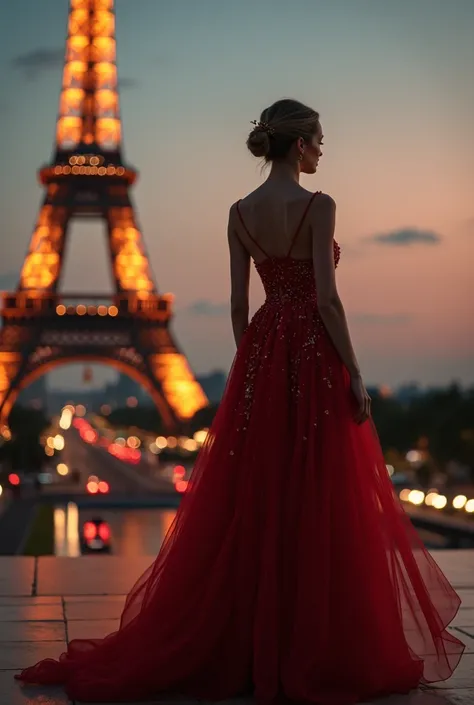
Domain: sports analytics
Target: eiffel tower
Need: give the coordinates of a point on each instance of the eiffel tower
(88, 178)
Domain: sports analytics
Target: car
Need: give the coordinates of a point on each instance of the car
(96, 536)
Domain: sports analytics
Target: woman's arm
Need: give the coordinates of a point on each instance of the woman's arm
(330, 305)
(323, 217)
(240, 280)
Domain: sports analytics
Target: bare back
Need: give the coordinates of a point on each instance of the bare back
(271, 216)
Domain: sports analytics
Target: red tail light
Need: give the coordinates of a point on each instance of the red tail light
(181, 485)
(179, 471)
(89, 530)
(104, 532)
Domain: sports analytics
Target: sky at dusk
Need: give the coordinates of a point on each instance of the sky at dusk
(393, 82)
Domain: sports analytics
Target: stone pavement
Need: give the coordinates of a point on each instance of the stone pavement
(46, 601)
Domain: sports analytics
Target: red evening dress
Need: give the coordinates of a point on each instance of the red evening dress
(291, 571)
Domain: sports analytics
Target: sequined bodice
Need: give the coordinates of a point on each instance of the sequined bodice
(288, 280)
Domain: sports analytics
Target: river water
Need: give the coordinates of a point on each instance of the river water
(134, 532)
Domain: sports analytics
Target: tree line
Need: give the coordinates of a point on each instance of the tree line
(439, 422)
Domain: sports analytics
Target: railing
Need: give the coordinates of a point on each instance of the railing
(30, 304)
(457, 533)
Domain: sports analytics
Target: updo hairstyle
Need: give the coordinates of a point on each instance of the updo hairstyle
(279, 126)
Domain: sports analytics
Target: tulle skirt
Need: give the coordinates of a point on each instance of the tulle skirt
(291, 571)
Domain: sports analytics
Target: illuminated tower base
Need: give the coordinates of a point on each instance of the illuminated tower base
(89, 179)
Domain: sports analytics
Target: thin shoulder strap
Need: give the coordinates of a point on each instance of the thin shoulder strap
(300, 224)
(248, 232)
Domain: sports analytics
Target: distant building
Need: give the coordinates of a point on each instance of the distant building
(406, 393)
(117, 394)
(213, 385)
(379, 390)
(35, 395)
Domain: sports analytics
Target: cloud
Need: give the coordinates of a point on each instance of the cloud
(381, 318)
(127, 82)
(207, 308)
(37, 61)
(9, 281)
(407, 237)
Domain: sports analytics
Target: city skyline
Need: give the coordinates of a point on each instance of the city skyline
(396, 101)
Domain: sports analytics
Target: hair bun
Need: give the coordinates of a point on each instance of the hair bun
(279, 126)
(258, 142)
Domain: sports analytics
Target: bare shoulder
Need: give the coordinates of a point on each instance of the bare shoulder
(242, 203)
(325, 203)
(233, 212)
(323, 220)
(324, 210)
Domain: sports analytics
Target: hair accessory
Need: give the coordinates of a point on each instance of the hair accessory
(264, 126)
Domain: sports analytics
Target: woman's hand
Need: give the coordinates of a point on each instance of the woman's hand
(362, 398)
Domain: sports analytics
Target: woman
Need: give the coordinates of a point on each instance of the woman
(291, 570)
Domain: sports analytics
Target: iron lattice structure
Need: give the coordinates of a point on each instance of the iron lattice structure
(89, 179)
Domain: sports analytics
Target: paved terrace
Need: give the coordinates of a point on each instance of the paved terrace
(46, 601)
